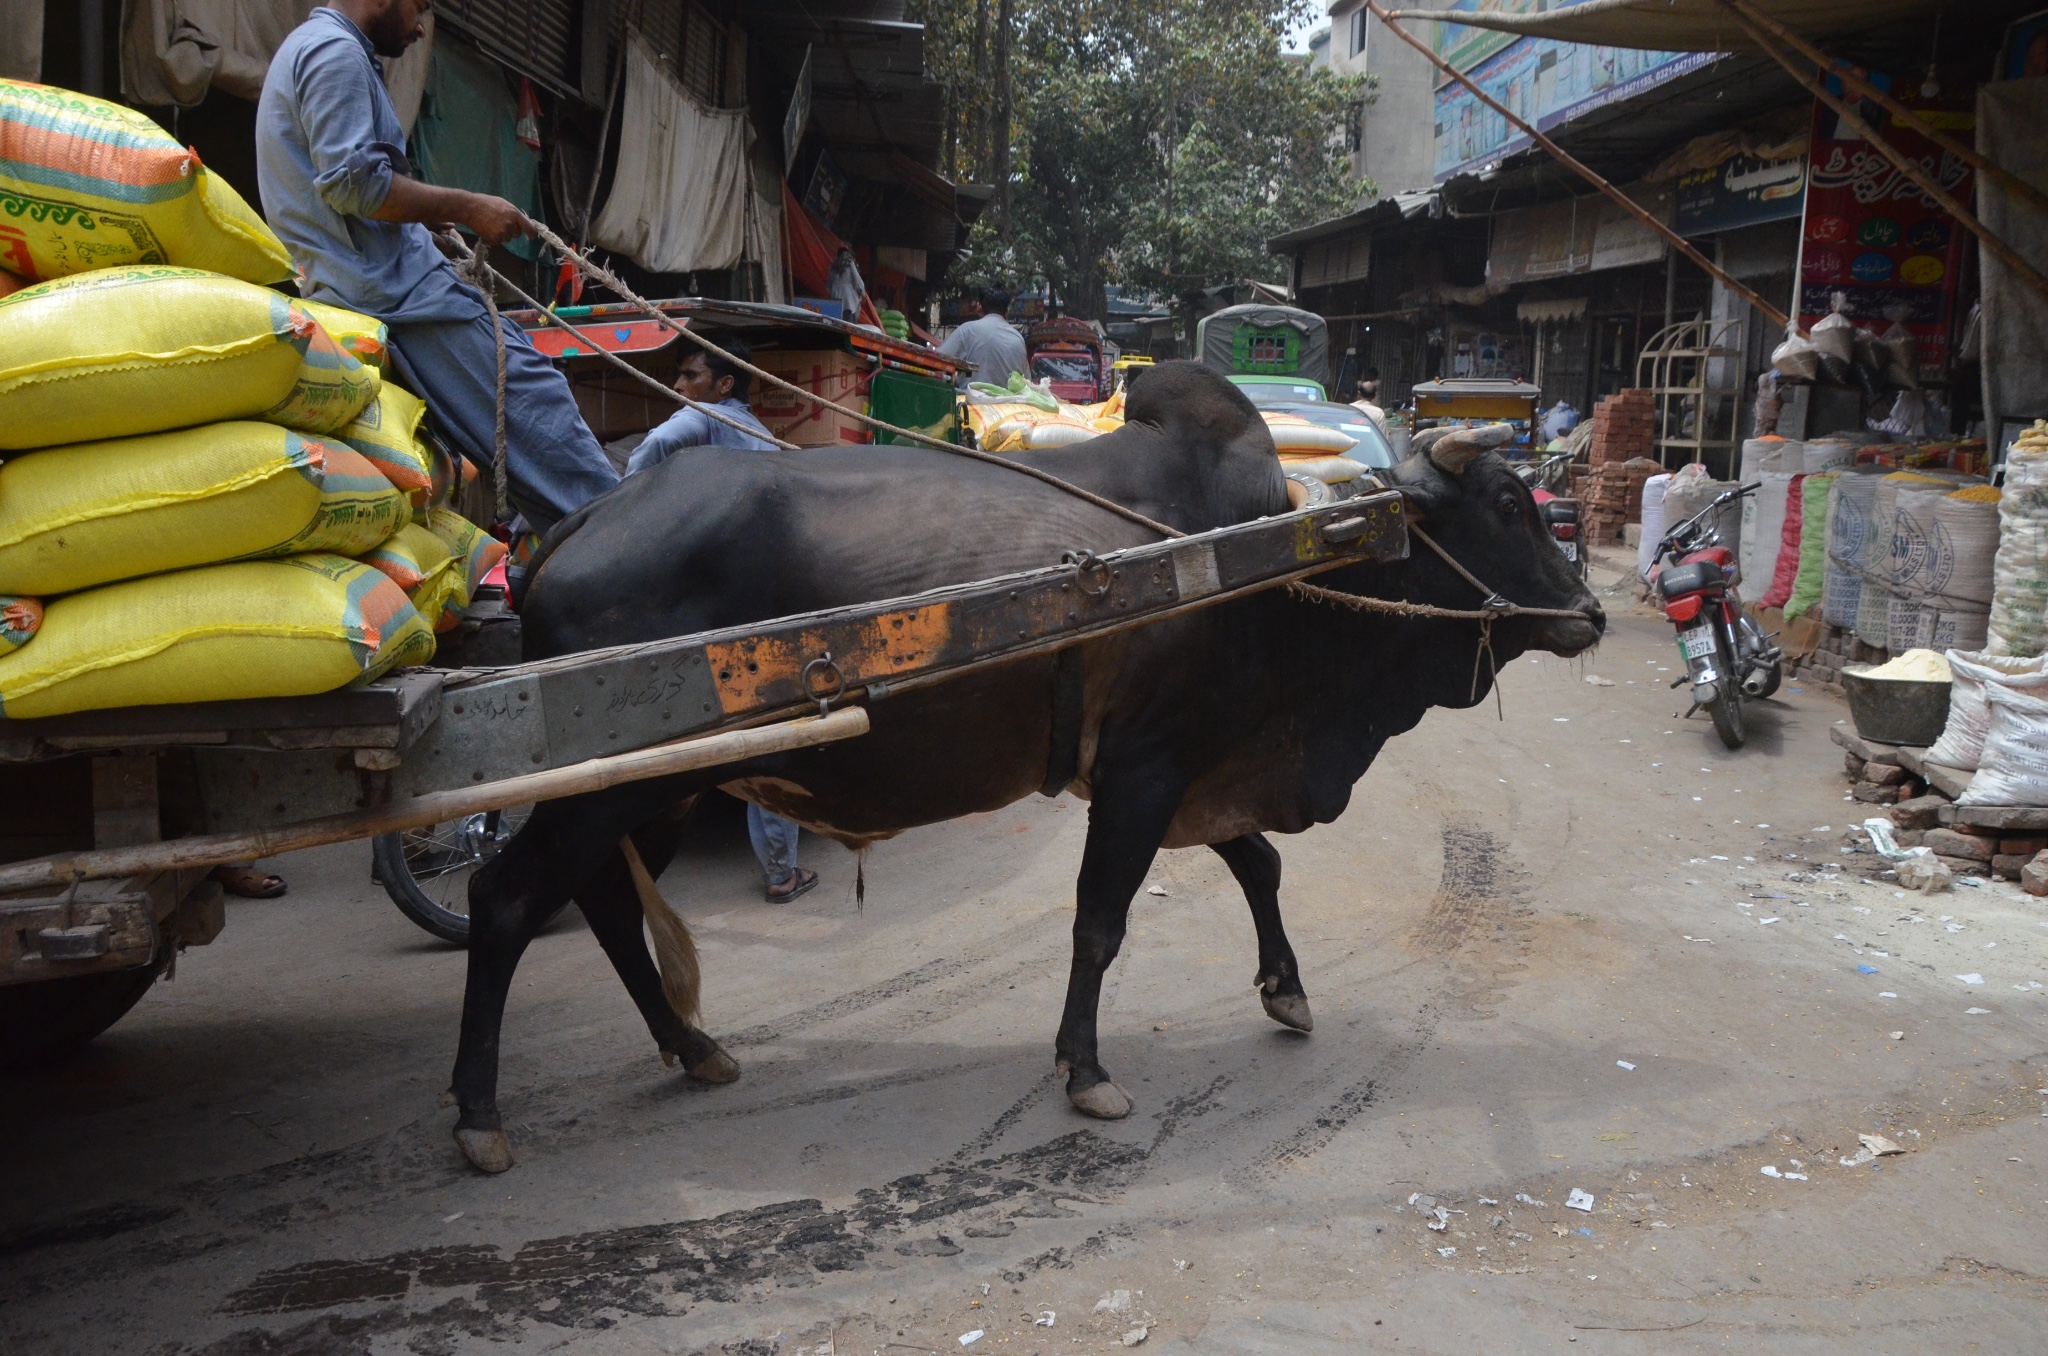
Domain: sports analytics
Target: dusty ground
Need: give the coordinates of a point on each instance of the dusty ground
(1509, 917)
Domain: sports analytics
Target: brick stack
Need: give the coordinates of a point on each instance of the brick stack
(1624, 426)
(1836, 649)
(1612, 496)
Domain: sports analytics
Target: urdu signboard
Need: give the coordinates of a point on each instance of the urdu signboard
(1742, 190)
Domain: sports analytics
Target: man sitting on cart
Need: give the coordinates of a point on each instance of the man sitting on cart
(338, 190)
(715, 380)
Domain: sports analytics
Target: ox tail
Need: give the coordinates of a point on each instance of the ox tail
(675, 951)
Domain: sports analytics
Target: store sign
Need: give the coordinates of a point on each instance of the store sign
(1740, 191)
(1581, 235)
(1876, 239)
(1546, 84)
(1462, 46)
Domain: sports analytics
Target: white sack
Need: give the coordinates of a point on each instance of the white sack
(1962, 739)
(2019, 576)
(2014, 767)
(1653, 523)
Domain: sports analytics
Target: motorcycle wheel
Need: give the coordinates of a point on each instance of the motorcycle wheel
(426, 871)
(1727, 705)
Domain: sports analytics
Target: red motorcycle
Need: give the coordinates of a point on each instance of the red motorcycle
(1549, 481)
(1727, 655)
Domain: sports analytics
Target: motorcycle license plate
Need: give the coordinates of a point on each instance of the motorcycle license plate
(1570, 549)
(1697, 643)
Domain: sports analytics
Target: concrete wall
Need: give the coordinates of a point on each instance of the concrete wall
(1397, 150)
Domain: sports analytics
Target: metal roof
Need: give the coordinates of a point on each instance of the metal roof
(1689, 25)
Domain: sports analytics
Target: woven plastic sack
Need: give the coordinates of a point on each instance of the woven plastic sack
(140, 350)
(387, 432)
(1970, 675)
(1294, 436)
(1654, 490)
(20, 619)
(265, 628)
(2019, 594)
(426, 568)
(477, 552)
(367, 338)
(87, 184)
(1848, 542)
(76, 517)
(1763, 525)
(1784, 571)
(1813, 544)
(2013, 769)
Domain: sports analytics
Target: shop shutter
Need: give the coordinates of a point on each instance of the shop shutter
(686, 38)
(533, 37)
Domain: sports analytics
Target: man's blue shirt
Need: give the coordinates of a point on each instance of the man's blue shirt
(694, 428)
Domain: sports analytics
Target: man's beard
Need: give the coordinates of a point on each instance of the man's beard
(392, 35)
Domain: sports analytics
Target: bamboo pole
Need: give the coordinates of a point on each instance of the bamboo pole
(1571, 162)
(1855, 80)
(597, 774)
(1902, 162)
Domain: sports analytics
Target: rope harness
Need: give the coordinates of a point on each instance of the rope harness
(478, 270)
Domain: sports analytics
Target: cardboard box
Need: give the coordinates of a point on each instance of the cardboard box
(839, 377)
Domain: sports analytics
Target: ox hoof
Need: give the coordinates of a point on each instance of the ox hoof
(719, 1067)
(486, 1150)
(1289, 1009)
(1104, 1101)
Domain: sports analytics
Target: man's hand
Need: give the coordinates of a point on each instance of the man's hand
(494, 219)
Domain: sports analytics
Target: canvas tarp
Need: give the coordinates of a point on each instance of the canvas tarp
(2010, 115)
(1220, 348)
(679, 200)
(466, 135)
(1683, 25)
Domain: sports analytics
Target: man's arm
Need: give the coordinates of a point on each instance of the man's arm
(493, 219)
(684, 428)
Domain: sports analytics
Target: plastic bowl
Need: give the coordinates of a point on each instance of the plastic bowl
(1894, 712)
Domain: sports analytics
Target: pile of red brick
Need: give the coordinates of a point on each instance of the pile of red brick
(1611, 495)
(1624, 426)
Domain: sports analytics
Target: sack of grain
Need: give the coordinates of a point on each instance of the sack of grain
(1652, 520)
(1848, 542)
(1828, 454)
(1763, 525)
(1690, 494)
(2019, 589)
(1811, 574)
(1970, 675)
(87, 184)
(264, 628)
(138, 350)
(1881, 585)
(366, 337)
(1784, 571)
(387, 432)
(20, 619)
(76, 517)
(426, 568)
(2013, 769)
(477, 553)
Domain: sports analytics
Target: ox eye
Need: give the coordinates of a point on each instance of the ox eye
(1508, 506)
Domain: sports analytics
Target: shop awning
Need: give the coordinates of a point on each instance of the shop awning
(1557, 309)
(1685, 25)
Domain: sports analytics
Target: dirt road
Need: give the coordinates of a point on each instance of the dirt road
(1586, 950)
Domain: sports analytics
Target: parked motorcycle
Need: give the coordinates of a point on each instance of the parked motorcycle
(1727, 655)
(1549, 480)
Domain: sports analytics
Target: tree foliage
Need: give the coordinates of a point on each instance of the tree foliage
(1153, 145)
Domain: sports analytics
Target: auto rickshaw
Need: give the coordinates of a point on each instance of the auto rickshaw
(1479, 400)
(1274, 352)
(1067, 354)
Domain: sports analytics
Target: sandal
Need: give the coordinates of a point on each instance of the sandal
(800, 881)
(249, 883)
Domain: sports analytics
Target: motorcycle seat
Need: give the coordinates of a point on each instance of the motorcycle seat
(1692, 577)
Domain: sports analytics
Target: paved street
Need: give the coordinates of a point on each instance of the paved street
(1553, 954)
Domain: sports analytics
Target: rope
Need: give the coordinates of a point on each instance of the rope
(479, 274)
(599, 274)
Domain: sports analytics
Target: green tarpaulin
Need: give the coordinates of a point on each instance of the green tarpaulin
(465, 135)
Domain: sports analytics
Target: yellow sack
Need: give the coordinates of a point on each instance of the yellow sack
(139, 350)
(362, 335)
(1019, 426)
(387, 432)
(260, 628)
(426, 568)
(477, 552)
(20, 619)
(79, 516)
(88, 184)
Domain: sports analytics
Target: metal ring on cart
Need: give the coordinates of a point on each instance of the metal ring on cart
(834, 680)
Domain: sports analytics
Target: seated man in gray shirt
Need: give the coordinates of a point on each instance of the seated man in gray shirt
(711, 379)
(988, 341)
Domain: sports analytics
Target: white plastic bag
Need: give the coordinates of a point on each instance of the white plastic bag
(1962, 739)
(2014, 768)
(1653, 523)
(2019, 593)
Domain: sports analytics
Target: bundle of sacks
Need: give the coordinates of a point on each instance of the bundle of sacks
(1027, 417)
(207, 492)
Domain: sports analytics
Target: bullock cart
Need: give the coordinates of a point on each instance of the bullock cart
(111, 820)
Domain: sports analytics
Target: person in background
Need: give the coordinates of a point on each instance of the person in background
(988, 340)
(338, 189)
(716, 380)
(1368, 399)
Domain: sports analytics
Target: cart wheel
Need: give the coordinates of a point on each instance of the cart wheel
(426, 871)
(51, 1018)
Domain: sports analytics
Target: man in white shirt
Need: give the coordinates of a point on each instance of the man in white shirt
(989, 341)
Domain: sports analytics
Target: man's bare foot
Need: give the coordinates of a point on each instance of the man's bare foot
(246, 881)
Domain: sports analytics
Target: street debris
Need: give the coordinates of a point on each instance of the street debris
(968, 1339)
(1157, 890)
(1624, 1064)
(1579, 1200)
(1181, 1264)
(1770, 1170)
(1526, 1199)
(1597, 681)
(1115, 1302)
(1447, 1252)
(1866, 969)
(1137, 1335)
(1972, 978)
(1046, 1319)
(1874, 1146)
(1895, 1035)
(1976, 1012)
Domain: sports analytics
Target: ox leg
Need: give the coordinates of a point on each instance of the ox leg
(1256, 864)
(612, 906)
(1124, 834)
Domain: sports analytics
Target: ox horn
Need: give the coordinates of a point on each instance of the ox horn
(1453, 450)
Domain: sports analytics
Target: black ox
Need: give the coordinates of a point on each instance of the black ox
(1214, 728)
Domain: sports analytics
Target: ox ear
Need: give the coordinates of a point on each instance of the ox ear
(1454, 450)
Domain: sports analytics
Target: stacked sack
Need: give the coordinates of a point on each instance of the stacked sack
(1944, 541)
(192, 461)
(1896, 549)
(1848, 544)
(2019, 591)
